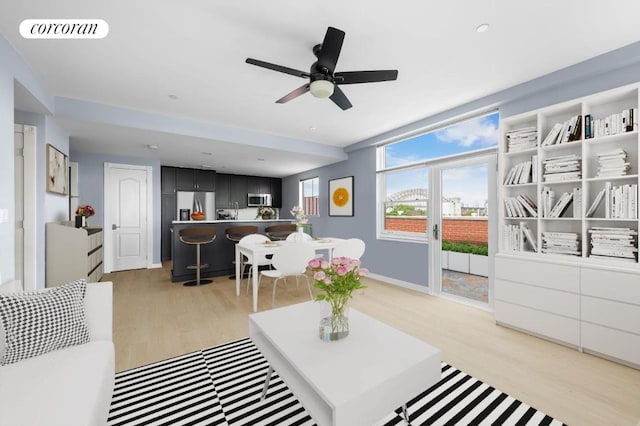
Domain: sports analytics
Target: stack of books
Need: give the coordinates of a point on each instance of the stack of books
(524, 172)
(613, 163)
(566, 167)
(607, 243)
(561, 243)
(522, 139)
(567, 131)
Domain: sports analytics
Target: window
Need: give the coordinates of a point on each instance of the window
(309, 190)
(403, 172)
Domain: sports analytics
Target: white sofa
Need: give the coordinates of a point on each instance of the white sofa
(67, 387)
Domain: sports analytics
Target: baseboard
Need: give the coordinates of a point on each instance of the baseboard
(155, 266)
(399, 283)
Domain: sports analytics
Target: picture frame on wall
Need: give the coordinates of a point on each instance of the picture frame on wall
(57, 171)
(341, 196)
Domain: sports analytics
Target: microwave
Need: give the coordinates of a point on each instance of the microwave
(255, 200)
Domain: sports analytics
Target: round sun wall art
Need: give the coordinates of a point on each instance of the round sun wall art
(341, 196)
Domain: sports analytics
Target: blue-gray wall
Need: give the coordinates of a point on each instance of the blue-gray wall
(407, 261)
(91, 188)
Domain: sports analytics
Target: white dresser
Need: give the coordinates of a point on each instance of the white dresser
(73, 253)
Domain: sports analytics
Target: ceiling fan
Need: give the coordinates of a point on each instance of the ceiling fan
(323, 81)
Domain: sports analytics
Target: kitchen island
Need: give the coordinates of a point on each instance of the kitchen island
(219, 255)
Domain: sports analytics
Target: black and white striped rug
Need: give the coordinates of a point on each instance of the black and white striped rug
(222, 386)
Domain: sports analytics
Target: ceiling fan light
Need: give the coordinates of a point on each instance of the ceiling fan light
(321, 88)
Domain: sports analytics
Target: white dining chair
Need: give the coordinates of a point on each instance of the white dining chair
(289, 261)
(352, 248)
(302, 237)
(299, 237)
(261, 260)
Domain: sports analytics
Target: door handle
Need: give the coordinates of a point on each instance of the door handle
(435, 231)
(114, 227)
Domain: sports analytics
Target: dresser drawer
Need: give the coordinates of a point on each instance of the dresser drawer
(544, 324)
(544, 299)
(614, 343)
(622, 316)
(542, 274)
(616, 285)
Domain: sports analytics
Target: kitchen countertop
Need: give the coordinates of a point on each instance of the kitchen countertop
(235, 221)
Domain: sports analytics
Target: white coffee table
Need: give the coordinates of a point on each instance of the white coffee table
(354, 381)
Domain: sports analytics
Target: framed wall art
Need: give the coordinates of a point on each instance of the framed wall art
(341, 196)
(57, 171)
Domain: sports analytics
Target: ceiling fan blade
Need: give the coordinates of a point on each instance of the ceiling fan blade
(278, 68)
(330, 51)
(340, 99)
(292, 95)
(353, 77)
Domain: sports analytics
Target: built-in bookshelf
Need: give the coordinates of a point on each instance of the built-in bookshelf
(570, 172)
(567, 266)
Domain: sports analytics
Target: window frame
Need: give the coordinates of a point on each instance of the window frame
(382, 171)
(301, 184)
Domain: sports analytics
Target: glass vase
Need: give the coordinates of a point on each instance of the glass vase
(334, 322)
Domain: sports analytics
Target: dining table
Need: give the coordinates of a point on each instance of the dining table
(254, 250)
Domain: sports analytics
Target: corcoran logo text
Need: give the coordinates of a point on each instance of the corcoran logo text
(64, 28)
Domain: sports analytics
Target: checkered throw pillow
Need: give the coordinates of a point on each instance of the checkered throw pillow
(42, 321)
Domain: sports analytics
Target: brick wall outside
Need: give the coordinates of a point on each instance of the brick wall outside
(456, 229)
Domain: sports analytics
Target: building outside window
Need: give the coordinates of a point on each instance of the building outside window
(309, 200)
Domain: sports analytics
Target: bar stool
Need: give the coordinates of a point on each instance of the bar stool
(279, 232)
(235, 234)
(198, 235)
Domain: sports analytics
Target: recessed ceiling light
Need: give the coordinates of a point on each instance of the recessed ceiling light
(482, 28)
(152, 146)
(207, 153)
(174, 97)
(260, 159)
(206, 166)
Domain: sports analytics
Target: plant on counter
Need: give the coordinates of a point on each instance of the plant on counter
(298, 213)
(266, 212)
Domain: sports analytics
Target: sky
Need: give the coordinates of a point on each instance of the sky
(468, 183)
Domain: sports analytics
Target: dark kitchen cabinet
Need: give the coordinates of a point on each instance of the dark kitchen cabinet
(195, 180)
(258, 185)
(231, 189)
(238, 191)
(168, 211)
(276, 192)
(223, 191)
(168, 180)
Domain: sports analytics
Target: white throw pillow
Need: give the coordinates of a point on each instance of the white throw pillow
(38, 322)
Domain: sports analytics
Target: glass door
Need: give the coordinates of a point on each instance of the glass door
(462, 229)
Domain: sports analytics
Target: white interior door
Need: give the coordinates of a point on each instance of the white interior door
(127, 204)
(18, 143)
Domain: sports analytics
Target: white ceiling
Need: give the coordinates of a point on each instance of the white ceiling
(196, 51)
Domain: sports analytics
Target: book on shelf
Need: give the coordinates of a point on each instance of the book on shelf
(522, 139)
(567, 243)
(595, 204)
(577, 202)
(561, 205)
(552, 136)
(614, 242)
(529, 237)
(613, 163)
(613, 124)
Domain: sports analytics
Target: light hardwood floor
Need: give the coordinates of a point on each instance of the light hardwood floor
(155, 319)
